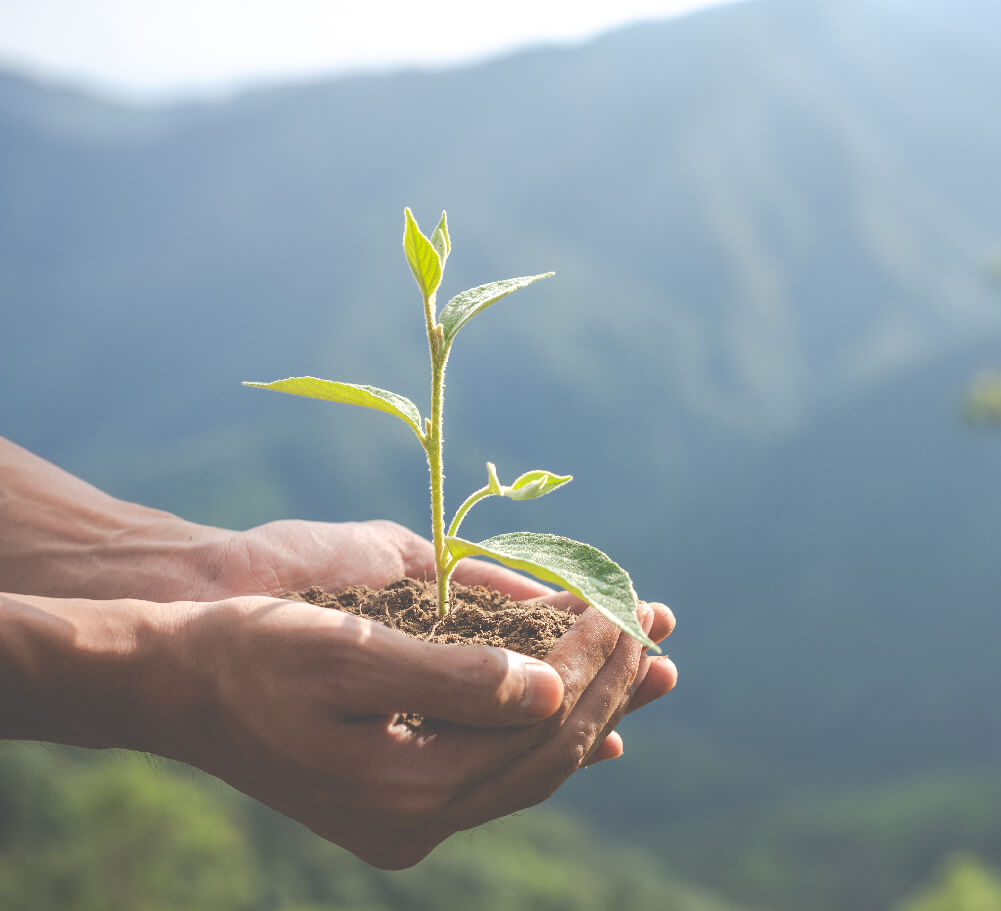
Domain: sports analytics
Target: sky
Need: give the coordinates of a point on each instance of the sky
(157, 50)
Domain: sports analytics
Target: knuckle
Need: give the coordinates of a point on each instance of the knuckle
(576, 751)
(566, 761)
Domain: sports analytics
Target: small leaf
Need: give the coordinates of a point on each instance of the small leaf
(463, 307)
(350, 394)
(534, 484)
(579, 568)
(441, 241)
(424, 260)
(530, 485)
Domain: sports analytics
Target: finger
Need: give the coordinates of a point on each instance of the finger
(609, 748)
(663, 621)
(645, 616)
(661, 678)
(534, 777)
(663, 617)
(641, 672)
(562, 601)
(500, 578)
(579, 655)
(476, 685)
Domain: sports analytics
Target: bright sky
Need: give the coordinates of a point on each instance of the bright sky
(158, 49)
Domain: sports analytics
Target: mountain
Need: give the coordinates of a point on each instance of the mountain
(860, 559)
(771, 224)
(749, 212)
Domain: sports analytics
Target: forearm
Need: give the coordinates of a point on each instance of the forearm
(95, 674)
(62, 537)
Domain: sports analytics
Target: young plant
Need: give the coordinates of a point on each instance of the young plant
(579, 568)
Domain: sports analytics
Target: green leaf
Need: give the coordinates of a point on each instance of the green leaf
(441, 241)
(350, 394)
(424, 260)
(530, 485)
(579, 568)
(534, 484)
(463, 307)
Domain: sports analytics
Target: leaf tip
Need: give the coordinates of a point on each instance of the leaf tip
(493, 482)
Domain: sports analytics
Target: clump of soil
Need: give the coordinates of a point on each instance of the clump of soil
(478, 615)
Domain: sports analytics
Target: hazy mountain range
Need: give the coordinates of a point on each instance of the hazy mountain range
(772, 225)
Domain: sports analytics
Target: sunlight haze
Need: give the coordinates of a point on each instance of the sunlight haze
(157, 50)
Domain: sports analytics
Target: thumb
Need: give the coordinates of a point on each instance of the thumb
(475, 685)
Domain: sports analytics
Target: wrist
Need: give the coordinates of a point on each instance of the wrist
(62, 538)
(161, 558)
(95, 674)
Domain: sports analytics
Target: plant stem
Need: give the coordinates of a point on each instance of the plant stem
(433, 448)
(467, 504)
(437, 483)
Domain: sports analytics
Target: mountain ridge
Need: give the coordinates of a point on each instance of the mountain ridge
(770, 227)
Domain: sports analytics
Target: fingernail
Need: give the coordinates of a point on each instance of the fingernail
(543, 690)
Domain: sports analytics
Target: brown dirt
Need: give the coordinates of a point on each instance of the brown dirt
(478, 615)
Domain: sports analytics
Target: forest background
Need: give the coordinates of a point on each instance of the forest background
(776, 229)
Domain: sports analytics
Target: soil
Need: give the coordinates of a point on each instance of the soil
(478, 615)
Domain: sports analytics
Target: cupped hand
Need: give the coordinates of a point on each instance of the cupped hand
(292, 555)
(301, 714)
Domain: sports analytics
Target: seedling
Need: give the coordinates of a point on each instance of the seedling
(579, 568)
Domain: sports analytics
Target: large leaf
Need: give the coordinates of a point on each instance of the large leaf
(350, 394)
(579, 568)
(463, 307)
(424, 260)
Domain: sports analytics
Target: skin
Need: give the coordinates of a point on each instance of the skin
(129, 627)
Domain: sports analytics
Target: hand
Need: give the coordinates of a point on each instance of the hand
(267, 694)
(302, 718)
(62, 538)
(293, 555)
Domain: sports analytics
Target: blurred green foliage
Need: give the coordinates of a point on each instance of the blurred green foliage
(965, 884)
(86, 832)
(983, 402)
(858, 847)
(91, 832)
(115, 833)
